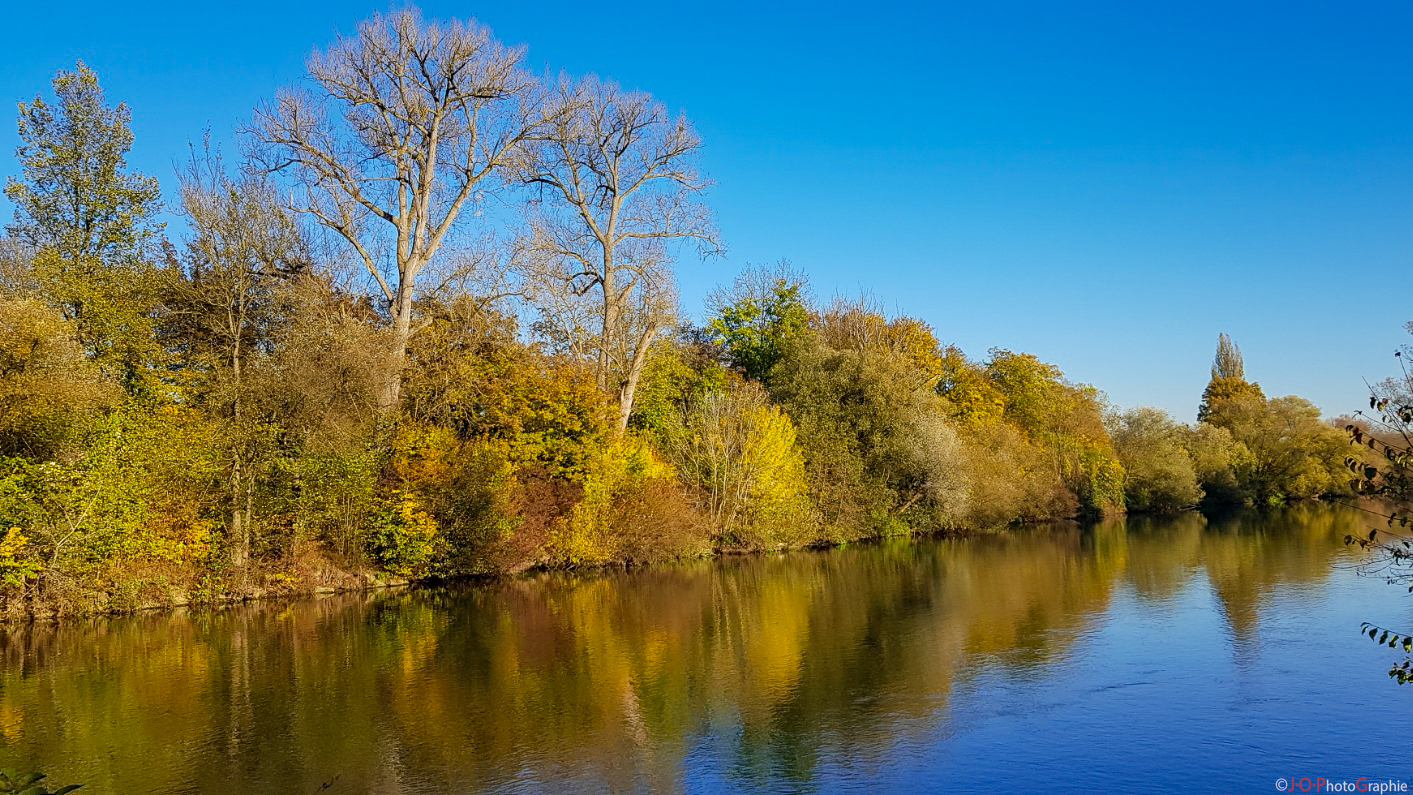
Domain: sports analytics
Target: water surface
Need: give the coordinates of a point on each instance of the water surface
(1211, 655)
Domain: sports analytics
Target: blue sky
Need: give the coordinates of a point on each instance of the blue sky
(1106, 185)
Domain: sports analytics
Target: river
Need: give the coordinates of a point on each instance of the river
(1188, 654)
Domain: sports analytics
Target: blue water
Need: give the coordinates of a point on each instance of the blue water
(1185, 655)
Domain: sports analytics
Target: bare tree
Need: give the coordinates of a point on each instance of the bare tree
(410, 122)
(618, 183)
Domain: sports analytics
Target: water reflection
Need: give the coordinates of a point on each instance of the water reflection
(757, 672)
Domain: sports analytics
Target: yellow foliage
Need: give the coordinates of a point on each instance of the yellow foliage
(13, 570)
(860, 326)
(424, 455)
(407, 538)
(741, 454)
(779, 506)
(623, 465)
(975, 399)
(46, 383)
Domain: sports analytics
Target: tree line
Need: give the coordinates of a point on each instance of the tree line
(426, 326)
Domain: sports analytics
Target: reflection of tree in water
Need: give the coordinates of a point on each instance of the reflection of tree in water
(1248, 553)
(765, 665)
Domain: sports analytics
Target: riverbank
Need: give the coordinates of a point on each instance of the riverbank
(314, 573)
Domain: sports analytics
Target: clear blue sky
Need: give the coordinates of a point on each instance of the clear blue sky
(1105, 185)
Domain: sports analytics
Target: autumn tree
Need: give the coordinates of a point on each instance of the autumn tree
(46, 383)
(616, 183)
(1220, 462)
(882, 456)
(221, 315)
(975, 400)
(17, 277)
(1228, 384)
(740, 453)
(1160, 476)
(681, 369)
(1067, 420)
(76, 197)
(409, 125)
(89, 220)
(1286, 451)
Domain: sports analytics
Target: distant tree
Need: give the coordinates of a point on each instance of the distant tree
(411, 124)
(1067, 420)
(617, 183)
(763, 311)
(1294, 453)
(1228, 382)
(1287, 451)
(1228, 362)
(1217, 458)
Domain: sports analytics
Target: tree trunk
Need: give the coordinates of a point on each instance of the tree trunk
(390, 396)
(240, 517)
(629, 384)
(611, 311)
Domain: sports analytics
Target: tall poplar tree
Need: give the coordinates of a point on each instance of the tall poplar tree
(1228, 386)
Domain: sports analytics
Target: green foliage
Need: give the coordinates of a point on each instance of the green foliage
(1226, 396)
(405, 538)
(1031, 388)
(1217, 458)
(741, 455)
(326, 496)
(482, 384)
(1100, 479)
(976, 400)
(90, 223)
(1161, 476)
(1292, 452)
(757, 321)
(75, 197)
(676, 374)
(283, 425)
(1065, 419)
(82, 512)
(881, 455)
(1399, 672)
(15, 570)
